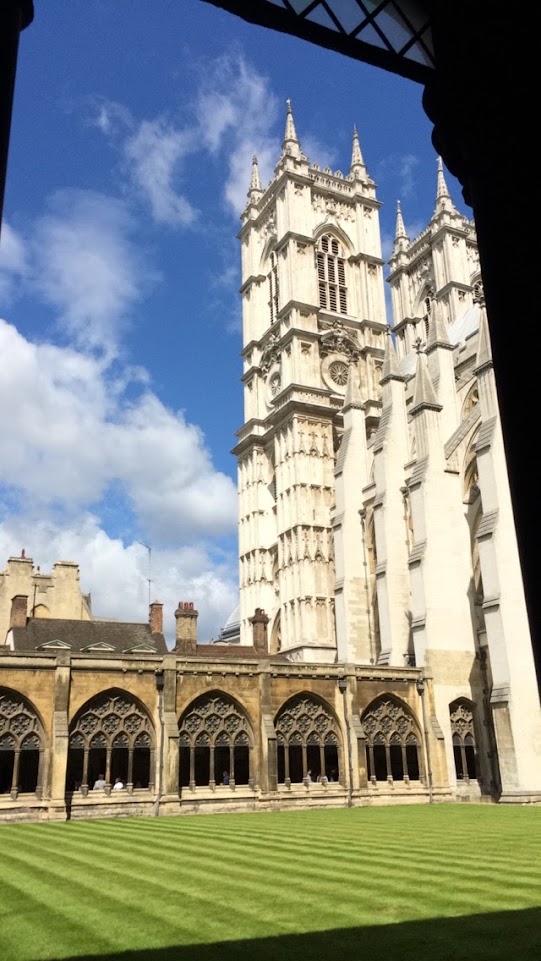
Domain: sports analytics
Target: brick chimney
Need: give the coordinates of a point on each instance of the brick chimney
(186, 632)
(19, 608)
(155, 617)
(259, 630)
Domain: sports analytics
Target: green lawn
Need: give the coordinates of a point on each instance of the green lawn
(401, 884)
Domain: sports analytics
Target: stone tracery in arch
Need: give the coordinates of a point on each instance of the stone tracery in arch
(215, 738)
(463, 736)
(21, 745)
(111, 735)
(393, 741)
(308, 740)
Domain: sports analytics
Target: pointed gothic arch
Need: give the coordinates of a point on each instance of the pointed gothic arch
(337, 232)
(308, 739)
(21, 745)
(215, 736)
(41, 610)
(111, 736)
(463, 737)
(425, 293)
(470, 477)
(393, 740)
(470, 401)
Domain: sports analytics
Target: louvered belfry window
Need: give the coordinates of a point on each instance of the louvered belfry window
(272, 278)
(331, 275)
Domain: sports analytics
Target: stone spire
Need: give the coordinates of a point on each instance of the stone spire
(424, 394)
(353, 391)
(401, 239)
(443, 197)
(437, 331)
(486, 385)
(357, 163)
(255, 191)
(484, 351)
(291, 144)
(391, 364)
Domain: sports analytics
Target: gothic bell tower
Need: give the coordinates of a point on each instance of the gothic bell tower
(313, 309)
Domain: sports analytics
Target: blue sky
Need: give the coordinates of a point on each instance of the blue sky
(133, 129)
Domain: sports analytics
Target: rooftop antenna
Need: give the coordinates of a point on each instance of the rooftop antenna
(149, 578)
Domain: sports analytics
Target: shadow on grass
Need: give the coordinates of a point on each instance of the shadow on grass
(501, 936)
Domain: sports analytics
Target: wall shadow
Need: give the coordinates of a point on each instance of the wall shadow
(501, 936)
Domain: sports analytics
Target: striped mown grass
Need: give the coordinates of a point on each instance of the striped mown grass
(405, 884)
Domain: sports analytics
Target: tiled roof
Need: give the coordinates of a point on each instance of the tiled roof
(87, 637)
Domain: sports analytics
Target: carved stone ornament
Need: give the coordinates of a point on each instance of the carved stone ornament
(271, 354)
(275, 383)
(335, 371)
(338, 371)
(335, 339)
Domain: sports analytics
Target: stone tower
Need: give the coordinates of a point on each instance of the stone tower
(313, 319)
(375, 520)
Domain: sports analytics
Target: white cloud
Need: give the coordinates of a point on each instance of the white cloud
(87, 267)
(237, 112)
(68, 434)
(154, 153)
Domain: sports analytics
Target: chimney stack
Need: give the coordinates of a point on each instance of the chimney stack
(19, 608)
(155, 617)
(186, 631)
(259, 628)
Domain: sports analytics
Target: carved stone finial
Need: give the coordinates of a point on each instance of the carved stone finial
(419, 345)
(479, 294)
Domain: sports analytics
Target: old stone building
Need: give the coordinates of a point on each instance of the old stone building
(381, 651)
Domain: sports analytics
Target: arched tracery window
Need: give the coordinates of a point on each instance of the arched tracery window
(308, 740)
(426, 318)
(21, 746)
(331, 275)
(392, 741)
(111, 736)
(463, 735)
(216, 743)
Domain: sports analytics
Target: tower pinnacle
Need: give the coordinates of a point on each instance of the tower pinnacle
(400, 232)
(357, 162)
(443, 197)
(401, 239)
(291, 143)
(255, 191)
(255, 182)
